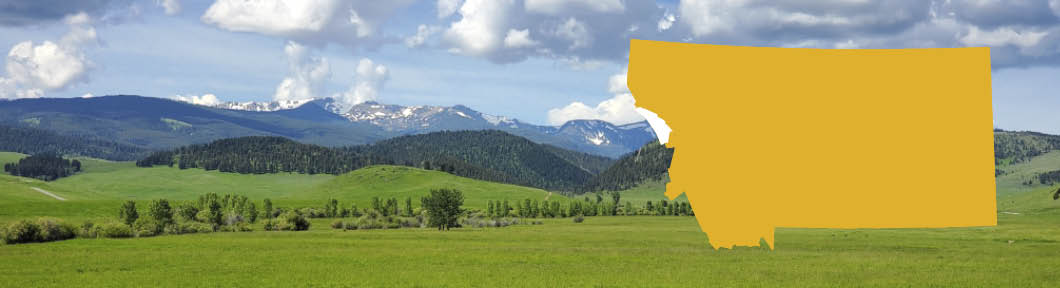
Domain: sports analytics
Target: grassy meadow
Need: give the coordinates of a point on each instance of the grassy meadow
(624, 251)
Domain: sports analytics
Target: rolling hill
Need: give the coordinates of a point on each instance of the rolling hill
(100, 189)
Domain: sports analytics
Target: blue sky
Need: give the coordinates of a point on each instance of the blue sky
(542, 61)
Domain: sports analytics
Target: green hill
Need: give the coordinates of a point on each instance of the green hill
(400, 182)
(99, 190)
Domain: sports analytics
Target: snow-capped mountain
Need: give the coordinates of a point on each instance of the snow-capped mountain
(593, 136)
(590, 136)
(328, 104)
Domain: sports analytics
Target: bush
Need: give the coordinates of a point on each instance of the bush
(579, 219)
(147, 227)
(189, 228)
(23, 231)
(349, 225)
(88, 230)
(115, 230)
(54, 230)
(240, 227)
(337, 224)
(289, 221)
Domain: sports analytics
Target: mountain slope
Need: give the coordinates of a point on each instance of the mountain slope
(649, 163)
(35, 141)
(591, 136)
(155, 123)
(518, 160)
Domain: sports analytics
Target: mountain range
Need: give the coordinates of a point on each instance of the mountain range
(156, 123)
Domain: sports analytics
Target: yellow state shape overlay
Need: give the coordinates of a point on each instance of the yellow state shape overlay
(822, 138)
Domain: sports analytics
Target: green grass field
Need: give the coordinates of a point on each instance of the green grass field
(628, 251)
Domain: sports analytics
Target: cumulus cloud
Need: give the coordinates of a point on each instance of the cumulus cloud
(572, 31)
(447, 8)
(171, 7)
(619, 109)
(307, 74)
(369, 81)
(518, 39)
(205, 100)
(33, 69)
(666, 22)
(423, 32)
(349, 23)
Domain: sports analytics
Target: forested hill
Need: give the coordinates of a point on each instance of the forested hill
(1014, 147)
(521, 161)
(37, 141)
(650, 162)
(486, 155)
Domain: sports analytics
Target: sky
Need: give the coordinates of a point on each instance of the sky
(541, 61)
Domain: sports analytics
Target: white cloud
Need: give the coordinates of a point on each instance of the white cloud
(33, 69)
(620, 109)
(479, 28)
(519, 39)
(349, 23)
(556, 7)
(556, 29)
(271, 17)
(666, 22)
(205, 100)
(447, 8)
(171, 7)
(307, 76)
(423, 32)
(1001, 37)
(369, 81)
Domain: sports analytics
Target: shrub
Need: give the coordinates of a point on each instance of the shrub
(579, 219)
(147, 227)
(115, 230)
(289, 221)
(189, 227)
(349, 225)
(240, 227)
(23, 231)
(54, 230)
(337, 224)
(88, 230)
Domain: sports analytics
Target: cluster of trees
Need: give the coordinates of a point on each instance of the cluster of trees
(46, 167)
(650, 162)
(27, 140)
(262, 154)
(1048, 178)
(528, 208)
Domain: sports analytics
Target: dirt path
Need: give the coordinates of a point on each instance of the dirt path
(549, 195)
(45, 192)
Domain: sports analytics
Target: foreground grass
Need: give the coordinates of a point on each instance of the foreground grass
(603, 251)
